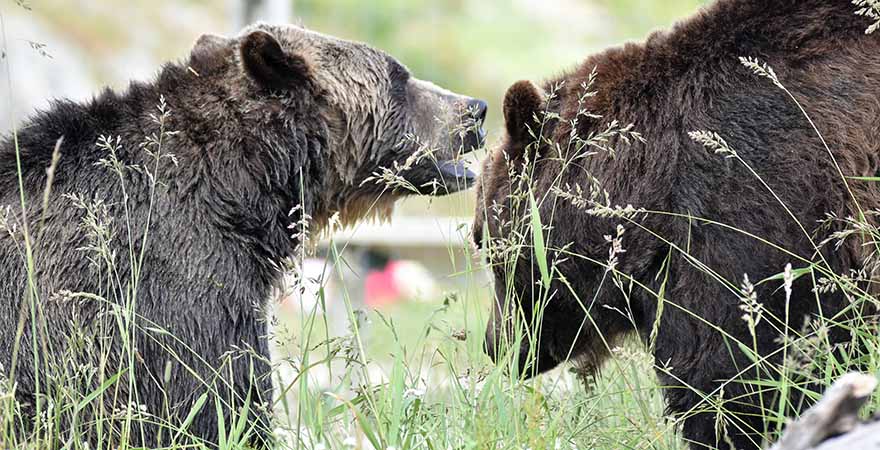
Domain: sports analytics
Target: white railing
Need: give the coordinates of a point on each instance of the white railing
(407, 231)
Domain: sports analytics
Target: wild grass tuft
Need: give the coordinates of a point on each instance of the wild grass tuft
(415, 377)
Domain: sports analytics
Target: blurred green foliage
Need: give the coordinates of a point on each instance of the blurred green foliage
(479, 47)
(636, 17)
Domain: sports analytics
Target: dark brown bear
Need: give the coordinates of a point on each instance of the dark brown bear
(700, 221)
(267, 129)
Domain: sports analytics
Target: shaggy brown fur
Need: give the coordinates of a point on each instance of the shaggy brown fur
(687, 79)
(278, 119)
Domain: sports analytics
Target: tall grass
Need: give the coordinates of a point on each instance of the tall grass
(414, 377)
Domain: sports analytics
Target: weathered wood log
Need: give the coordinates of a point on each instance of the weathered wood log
(833, 423)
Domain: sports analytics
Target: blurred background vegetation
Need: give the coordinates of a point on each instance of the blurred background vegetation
(477, 47)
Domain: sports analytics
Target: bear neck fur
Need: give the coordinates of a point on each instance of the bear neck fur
(790, 33)
(246, 159)
(795, 31)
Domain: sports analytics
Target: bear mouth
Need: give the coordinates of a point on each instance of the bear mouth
(454, 174)
(439, 177)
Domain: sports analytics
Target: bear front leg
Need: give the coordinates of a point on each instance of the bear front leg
(705, 378)
(712, 416)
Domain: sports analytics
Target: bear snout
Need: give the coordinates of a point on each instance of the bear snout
(531, 359)
(472, 119)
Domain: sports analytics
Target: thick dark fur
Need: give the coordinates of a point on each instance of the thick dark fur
(251, 145)
(688, 79)
(219, 220)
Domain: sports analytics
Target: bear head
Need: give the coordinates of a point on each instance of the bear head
(383, 133)
(539, 316)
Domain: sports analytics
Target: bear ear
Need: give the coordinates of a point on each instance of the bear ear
(210, 52)
(522, 103)
(269, 65)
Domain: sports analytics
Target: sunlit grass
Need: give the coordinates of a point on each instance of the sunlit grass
(415, 376)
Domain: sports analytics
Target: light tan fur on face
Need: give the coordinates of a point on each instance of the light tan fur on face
(436, 112)
(366, 128)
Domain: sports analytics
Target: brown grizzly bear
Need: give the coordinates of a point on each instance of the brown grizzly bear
(164, 288)
(699, 221)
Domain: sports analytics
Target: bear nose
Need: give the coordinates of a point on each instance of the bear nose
(478, 109)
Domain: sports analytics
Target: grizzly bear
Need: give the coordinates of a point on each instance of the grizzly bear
(651, 230)
(138, 269)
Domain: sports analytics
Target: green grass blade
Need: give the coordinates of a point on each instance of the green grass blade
(106, 384)
(221, 425)
(540, 251)
(795, 274)
(197, 407)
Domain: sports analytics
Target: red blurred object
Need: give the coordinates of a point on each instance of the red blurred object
(380, 287)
